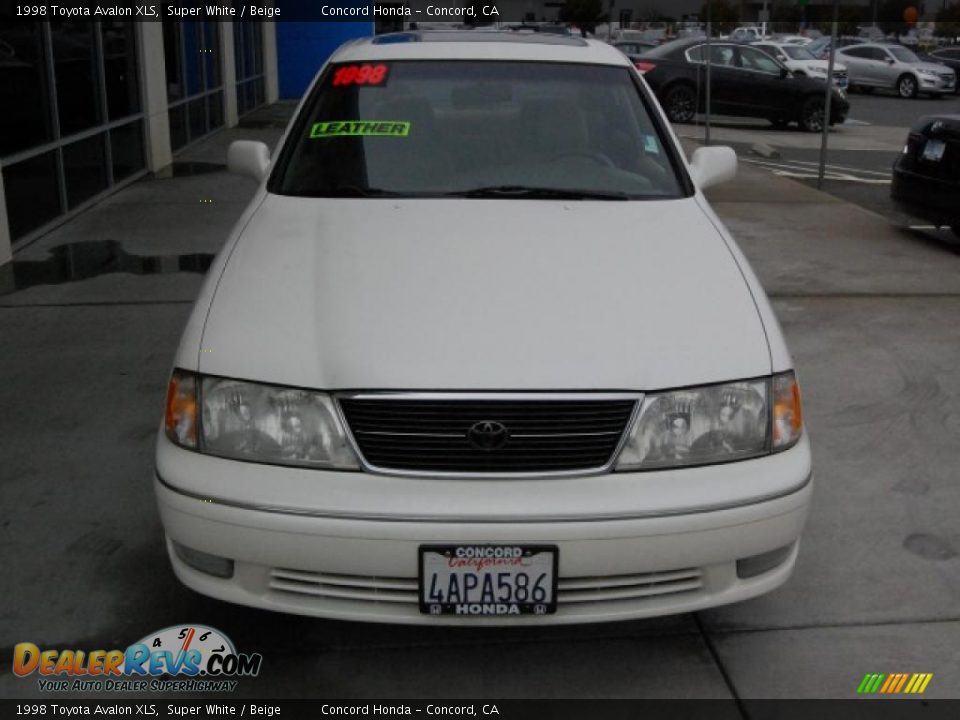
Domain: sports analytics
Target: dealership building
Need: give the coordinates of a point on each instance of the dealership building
(89, 107)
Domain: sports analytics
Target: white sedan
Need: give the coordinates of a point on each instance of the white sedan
(801, 61)
(480, 352)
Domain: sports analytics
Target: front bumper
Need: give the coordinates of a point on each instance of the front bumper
(937, 85)
(629, 561)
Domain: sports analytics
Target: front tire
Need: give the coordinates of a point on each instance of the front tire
(680, 103)
(907, 86)
(812, 115)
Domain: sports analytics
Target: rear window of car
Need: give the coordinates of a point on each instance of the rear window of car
(430, 128)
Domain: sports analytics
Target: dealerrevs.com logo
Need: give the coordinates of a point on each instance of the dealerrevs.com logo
(181, 658)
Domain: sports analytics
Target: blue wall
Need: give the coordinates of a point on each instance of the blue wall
(302, 47)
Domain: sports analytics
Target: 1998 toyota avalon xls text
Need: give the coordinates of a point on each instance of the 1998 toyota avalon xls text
(479, 351)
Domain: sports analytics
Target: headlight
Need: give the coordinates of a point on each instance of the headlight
(924, 71)
(817, 70)
(262, 423)
(716, 423)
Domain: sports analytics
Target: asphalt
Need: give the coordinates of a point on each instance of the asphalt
(870, 312)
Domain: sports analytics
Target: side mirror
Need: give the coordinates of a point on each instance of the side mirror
(250, 158)
(890, 61)
(713, 165)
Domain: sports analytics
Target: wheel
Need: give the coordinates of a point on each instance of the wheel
(907, 86)
(680, 102)
(597, 157)
(811, 115)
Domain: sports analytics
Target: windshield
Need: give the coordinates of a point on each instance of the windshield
(795, 52)
(903, 55)
(427, 128)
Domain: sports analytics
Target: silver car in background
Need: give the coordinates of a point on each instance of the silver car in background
(873, 65)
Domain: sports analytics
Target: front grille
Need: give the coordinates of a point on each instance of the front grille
(528, 435)
(403, 591)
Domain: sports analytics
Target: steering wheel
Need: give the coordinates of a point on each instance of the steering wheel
(597, 157)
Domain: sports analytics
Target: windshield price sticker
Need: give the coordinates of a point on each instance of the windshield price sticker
(369, 75)
(360, 128)
(488, 580)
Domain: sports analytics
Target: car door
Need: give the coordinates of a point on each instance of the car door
(883, 67)
(766, 88)
(857, 60)
(725, 80)
(725, 99)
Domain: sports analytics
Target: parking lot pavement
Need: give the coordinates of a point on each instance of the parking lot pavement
(860, 158)
(869, 312)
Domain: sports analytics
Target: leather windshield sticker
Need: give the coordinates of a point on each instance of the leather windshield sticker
(360, 128)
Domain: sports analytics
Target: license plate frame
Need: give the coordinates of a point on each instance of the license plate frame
(543, 559)
(933, 150)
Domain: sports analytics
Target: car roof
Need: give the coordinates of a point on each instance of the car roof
(470, 45)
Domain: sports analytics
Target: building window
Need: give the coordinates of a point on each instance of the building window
(248, 57)
(72, 122)
(194, 79)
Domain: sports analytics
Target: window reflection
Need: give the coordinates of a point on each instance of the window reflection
(120, 69)
(75, 68)
(25, 118)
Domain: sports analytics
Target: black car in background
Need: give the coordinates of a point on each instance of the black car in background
(949, 56)
(926, 176)
(745, 82)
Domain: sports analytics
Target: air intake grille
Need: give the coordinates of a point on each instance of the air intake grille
(487, 435)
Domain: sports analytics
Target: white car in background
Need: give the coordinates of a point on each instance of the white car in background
(480, 352)
(799, 61)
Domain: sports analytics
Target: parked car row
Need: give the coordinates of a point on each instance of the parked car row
(745, 82)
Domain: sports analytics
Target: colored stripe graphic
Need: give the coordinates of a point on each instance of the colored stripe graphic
(894, 683)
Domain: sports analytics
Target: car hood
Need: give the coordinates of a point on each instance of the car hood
(482, 294)
(933, 67)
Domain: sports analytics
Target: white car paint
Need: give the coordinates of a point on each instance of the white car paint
(429, 294)
(781, 50)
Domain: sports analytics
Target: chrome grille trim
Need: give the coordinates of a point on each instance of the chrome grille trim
(635, 397)
(573, 590)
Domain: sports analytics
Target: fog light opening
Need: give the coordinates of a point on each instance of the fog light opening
(758, 564)
(204, 562)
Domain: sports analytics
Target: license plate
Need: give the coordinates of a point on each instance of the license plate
(488, 580)
(933, 150)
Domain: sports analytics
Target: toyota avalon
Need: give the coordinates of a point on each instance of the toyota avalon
(480, 352)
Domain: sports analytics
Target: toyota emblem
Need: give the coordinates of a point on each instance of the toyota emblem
(488, 435)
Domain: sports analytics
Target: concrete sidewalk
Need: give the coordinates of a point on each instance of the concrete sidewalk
(871, 313)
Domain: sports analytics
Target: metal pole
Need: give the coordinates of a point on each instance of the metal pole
(828, 95)
(706, 136)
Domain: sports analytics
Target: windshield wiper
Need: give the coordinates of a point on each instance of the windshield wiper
(524, 192)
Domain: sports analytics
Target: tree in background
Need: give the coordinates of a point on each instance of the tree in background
(724, 15)
(585, 14)
(890, 15)
(786, 13)
(948, 21)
